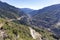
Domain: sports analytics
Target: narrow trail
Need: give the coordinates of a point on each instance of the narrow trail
(16, 19)
(35, 34)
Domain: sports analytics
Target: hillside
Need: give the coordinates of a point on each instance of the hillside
(14, 31)
(48, 17)
(9, 12)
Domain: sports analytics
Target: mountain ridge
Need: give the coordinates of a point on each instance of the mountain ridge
(48, 17)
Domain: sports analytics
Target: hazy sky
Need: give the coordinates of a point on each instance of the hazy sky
(33, 4)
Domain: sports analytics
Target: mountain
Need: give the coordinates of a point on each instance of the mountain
(15, 25)
(48, 17)
(27, 10)
(9, 12)
(33, 12)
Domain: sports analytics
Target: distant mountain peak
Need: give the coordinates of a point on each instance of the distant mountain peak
(27, 10)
